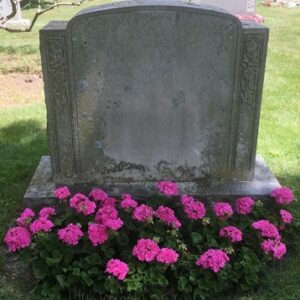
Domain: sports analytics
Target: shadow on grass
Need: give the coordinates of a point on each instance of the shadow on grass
(22, 144)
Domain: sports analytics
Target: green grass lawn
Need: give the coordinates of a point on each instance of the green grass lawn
(19, 52)
(23, 135)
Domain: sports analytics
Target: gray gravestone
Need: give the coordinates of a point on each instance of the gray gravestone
(13, 23)
(138, 92)
(6, 9)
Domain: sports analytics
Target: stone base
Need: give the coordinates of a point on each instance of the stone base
(41, 188)
(20, 24)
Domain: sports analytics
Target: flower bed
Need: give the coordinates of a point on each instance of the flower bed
(97, 245)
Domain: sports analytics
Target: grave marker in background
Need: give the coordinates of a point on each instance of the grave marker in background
(15, 23)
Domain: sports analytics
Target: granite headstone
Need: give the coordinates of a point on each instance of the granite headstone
(143, 91)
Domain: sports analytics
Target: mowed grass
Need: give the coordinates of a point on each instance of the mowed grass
(23, 135)
(19, 52)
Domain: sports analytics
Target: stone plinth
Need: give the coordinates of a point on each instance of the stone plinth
(41, 188)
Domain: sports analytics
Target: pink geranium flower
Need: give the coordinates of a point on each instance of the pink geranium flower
(82, 204)
(143, 213)
(168, 188)
(98, 194)
(223, 210)
(62, 193)
(97, 234)
(167, 215)
(283, 195)
(17, 238)
(113, 224)
(46, 212)
(25, 217)
(146, 250)
(105, 213)
(167, 256)
(117, 268)
(41, 225)
(195, 210)
(276, 248)
(266, 229)
(232, 233)
(108, 216)
(109, 201)
(244, 205)
(127, 202)
(286, 217)
(213, 259)
(71, 234)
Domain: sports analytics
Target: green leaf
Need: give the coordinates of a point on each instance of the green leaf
(93, 270)
(51, 261)
(196, 237)
(61, 280)
(39, 270)
(162, 281)
(183, 284)
(76, 271)
(93, 259)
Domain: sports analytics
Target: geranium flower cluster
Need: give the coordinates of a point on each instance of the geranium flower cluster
(98, 234)
(167, 215)
(168, 188)
(267, 229)
(283, 195)
(148, 250)
(244, 205)
(286, 217)
(82, 204)
(41, 224)
(213, 259)
(143, 213)
(71, 234)
(117, 268)
(195, 210)
(25, 217)
(98, 195)
(20, 237)
(108, 216)
(223, 210)
(127, 202)
(46, 212)
(232, 233)
(62, 193)
(17, 238)
(274, 247)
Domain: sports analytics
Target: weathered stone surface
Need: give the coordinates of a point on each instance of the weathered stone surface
(143, 91)
(41, 188)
